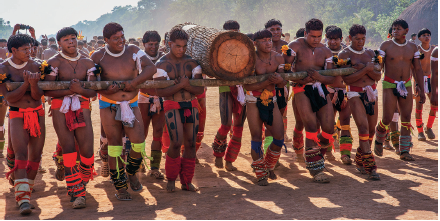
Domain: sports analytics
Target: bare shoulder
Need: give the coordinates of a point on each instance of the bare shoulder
(279, 58)
(132, 48)
(87, 61)
(34, 66)
(385, 45)
(370, 52)
(435, 52)
(344, 54)
(325, 50)
(297, 43)
(54, 60)
(97, 55)
(163, 62)
(284, 42)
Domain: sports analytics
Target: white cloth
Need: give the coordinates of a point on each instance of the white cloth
(320, 91)
(381, 53)
(240, 96)
(161, 73)
(104, 140)
(54, 71)
(155, 107)
(401, 88)
(328, 60)
(137, 59)
(197, 70)
(90, 73)
(335, 89)
(396, 117)
(127, 114)
(425, 79)
(417, 54)
(372, 95)
(251, 99)
(434, 59)
(143, 99)
(70, 102)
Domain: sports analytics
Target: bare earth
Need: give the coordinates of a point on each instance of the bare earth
(408, 190)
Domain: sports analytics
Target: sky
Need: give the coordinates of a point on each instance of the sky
(49, 16)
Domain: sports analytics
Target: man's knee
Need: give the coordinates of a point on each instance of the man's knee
(363, 129)
(310, 126)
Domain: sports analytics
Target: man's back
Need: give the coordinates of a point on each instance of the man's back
(48, 53)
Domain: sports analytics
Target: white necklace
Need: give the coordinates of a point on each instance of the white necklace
(336, 52)
(356, 52)
(153, 58)
(112, 54)
(70, 58)
(401, 45)
(16, 66)
(424, 49)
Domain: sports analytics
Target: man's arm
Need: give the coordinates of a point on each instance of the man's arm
(196, 90)
(257, 86)
(171, 90)
(17, 94)
(361, 70)
(55, 93)
(418, 77)
(148, 70)
(434, 77)
(36, 92)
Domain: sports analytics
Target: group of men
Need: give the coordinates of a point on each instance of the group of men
(126, 112)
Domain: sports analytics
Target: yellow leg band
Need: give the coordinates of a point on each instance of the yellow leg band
(116, 151)
(140, 148)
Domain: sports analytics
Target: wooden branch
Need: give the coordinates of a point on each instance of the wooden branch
(102, 85)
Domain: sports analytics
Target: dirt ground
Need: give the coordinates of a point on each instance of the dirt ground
(408, 190)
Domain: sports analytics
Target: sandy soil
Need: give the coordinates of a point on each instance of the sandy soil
(408, 190)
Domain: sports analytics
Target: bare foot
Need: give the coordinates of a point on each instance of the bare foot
(59, 174)
(406, 156)
(156, 173)
(263, 182)
(219, 162)
(300, 158)
(272, 175)
(197, 161)
(171, 187)
(123, 195)
(278, 164)
(191, 187)
(135, 185)
(229, 166)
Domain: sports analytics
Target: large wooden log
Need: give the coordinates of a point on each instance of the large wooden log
(102, 85)
(226, 55)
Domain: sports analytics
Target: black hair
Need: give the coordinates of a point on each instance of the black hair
(66, 31)
(250, 36)
(272, 22)
(131, 39)
(80, 43)
(151, 36)
(262, 34)
(54, 46)
(111, 29)
(231, 25)
(357, 29)
(44, 42)
(413, 34)
(390, 31)
(3, 40)
(18, 40)
(300, 33)
(35, 43)
(52, 39)
(178, 33)
(333, 32)
(423, 31)
(93, 41)
(101, 42)
(102, 37)
(400, 22)
(314, 24)
(136, 43)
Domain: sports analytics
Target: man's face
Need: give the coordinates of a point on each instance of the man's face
(22, 53)
(276, 31)
(3, 44)
(116, 41)
(334, 43)
(131, 41)
(413, 38)
(264, 45)
(313, 37)
(68, 44)
(358, 42)
(399, 32)
(151, 47)
(34, 51)
(178, 47)
(80, 46)
(51, 42)
(425, 38)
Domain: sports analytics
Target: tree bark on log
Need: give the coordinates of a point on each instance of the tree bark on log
(102, 85)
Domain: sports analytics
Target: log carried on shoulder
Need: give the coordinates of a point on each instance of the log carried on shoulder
(227, 55)
(102, 85)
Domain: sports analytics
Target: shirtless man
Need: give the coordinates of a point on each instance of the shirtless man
(424, 36)
(99, 44)
(337, 92)
(434, 77)
(82, 47)
(398, 55)
(232, 113)
(312, 96)
(51, 51)
(180, 107)
(362, 96)
(262, 107)
(42, 48)
(151, 105)
(119, 108)
(276, 28)
(26, 116)
(71, 114)
(3, 49)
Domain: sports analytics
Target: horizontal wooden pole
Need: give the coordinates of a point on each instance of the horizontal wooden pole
(102, 85)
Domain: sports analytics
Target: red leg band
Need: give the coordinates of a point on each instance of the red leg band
(157, 138)
(19, 164)
(87, 168)
(172, 167)
(419, 124)
(233, 150)
(260, 169)
(223, 130)
(272, 158)
(313, 136)
(74, 182)
(70, 159)
(430, 122)
(165, 140)
(32, 166)
(434, 108)
(237, 131)
(188, 166)
(419, 111)
(329, 137)
(297, 131)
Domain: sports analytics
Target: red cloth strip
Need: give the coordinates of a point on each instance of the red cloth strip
(390, 80)
(359, 89)
(237, 131)
(329, 137)
(157, 138)
(430, 121)
(434, 108)
(30, 119)
(272, 158)
(87, 161)
(170, 105)
(19, 164)
(233, 150)
(236, 106)
(313, 136)
(298, 131)
(224, 130)
(188, 166)
(69, 159)
(172, 167)
(32, 166)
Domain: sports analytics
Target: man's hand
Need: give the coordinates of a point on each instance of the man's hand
(112, 89)
(344, 103)
(305, 80)
(276, 78)
(184, 82)
(26, 75)
(370, 66)
(129, 86)
(358, 66)
(416, 90)
(422, 98)
(313, 74)
(75, 86)
(34, 78)
(32, 31)
(16, 27)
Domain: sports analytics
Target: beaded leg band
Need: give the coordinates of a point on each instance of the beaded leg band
(133, 165)
(345, 145)
(75, 185)
(358, 159)
(271, 158)
(395, 137)
(219, 147)
(234, 146)
(298, 142)
(405, 144)
(260, 169)
(314, 160)
(157, 158)
(368, 162)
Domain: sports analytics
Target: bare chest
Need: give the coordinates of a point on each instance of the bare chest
(118, 68)
(307, 58)
(69, 70)
(180, 69)
(360, 58)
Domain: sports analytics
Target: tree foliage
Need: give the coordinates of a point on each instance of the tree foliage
(5, 29)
